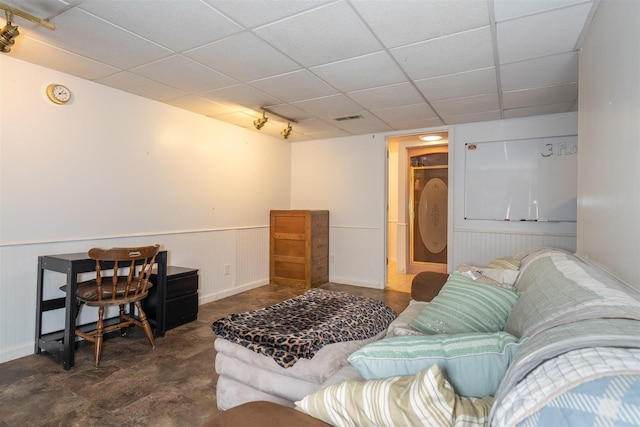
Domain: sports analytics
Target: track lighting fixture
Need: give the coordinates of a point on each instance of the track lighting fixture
(286, 131)
(9, 32)
(258, 123)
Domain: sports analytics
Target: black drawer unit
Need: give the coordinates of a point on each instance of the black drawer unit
(181, 300)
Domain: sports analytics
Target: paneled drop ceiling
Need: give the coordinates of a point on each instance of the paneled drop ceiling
(394, 65)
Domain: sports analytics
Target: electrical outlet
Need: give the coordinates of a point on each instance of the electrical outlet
(331, 258)
(227, 269)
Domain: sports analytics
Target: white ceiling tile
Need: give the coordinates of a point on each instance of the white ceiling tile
(177, 25)
(473, 117)
(294, 86)
(304, 58)
(260, 12)
(460, 85)
(368, 123)
(184, 74)
(461, 106)
(399, 23)
(538, 110)
(546, 95)
(322, 35)
(290, 111)
(42, 8)
(241, 95)
(329, 107)
(407, 113)
(82, 33)
(538, 72)
(46, 55)
(387, 96)
(508, 9)
(315, 126)
(542, 34)
(456, 53)
(403, 123)
(356, 73)
(132, 83)
(243, 56)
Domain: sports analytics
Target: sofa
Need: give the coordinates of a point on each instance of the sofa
(542, 338)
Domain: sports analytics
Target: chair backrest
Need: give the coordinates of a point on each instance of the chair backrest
(126, 280)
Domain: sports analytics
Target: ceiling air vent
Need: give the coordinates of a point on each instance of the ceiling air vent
(341, 119)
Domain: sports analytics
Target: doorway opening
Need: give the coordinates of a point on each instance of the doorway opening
(428, 209)
(418, 206)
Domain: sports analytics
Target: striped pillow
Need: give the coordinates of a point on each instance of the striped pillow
(422, 399)
(505, 263)
(473, 363)
(465, 306)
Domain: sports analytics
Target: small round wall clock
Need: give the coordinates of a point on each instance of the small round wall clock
(58, 93)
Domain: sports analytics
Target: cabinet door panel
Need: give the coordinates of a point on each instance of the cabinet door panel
(292, 270)
(290, 224)
(286, 247)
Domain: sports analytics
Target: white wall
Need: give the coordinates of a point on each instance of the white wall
(347, 177)
(199, 187)
(477, 242)
(609, 160)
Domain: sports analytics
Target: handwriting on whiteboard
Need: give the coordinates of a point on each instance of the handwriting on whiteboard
(559, 149)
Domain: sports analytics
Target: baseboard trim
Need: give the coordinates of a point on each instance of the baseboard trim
(204, 299)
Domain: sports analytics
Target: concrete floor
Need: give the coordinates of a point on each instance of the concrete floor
(173, 384)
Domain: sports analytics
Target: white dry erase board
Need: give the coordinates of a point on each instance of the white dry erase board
(522, 180)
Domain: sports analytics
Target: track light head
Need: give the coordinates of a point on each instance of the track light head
(286, 131)
(258, 123)
(8, 33)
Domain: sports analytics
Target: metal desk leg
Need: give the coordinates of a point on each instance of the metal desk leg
(69, 339)
(39, 305)
(161, 295)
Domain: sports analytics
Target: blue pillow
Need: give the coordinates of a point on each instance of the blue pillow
(474, 364)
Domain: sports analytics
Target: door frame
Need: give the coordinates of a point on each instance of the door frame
(403, 231)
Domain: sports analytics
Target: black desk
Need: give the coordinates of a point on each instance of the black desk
(63, 342)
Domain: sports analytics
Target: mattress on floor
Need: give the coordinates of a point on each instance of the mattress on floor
(231, 393)
(262, 376)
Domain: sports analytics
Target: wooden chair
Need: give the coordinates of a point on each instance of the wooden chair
(118, 282)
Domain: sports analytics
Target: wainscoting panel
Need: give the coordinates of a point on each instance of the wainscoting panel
(479, 248)
(244, 250)
(252, 257)
(356, 256)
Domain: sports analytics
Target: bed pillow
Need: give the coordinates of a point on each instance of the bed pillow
(465, 306)
(422, 399)
(473, 363)
(505, 264)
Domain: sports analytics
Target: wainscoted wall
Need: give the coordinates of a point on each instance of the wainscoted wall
(199, 187)
(347, 177)
(245, 250)
(479, 248)
(355, 256)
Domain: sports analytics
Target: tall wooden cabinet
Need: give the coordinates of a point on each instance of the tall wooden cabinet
(299, 247)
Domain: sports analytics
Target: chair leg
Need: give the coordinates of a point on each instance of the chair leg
(97, 346)
(145, 324)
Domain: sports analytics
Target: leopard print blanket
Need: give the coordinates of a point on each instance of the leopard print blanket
(299, 327)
